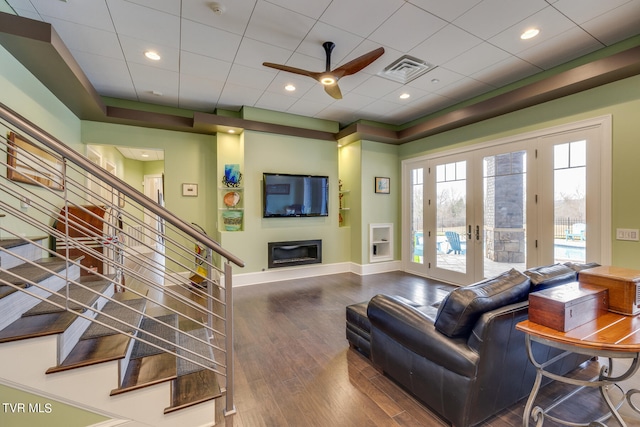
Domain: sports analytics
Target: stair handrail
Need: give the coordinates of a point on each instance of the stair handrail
(58, 146)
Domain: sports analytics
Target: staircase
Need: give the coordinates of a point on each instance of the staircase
(132, 330)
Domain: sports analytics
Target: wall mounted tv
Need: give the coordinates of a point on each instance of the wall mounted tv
(287, 195)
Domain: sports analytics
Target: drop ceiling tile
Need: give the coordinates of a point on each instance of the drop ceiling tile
(581, 11)
(361, 17)
(476, 59)
(148, 79)
(627, 23)
(407, 28)
(549, 21)
(307, 108)
(566, 46)
(465, 88)
(167, 6)
(134, 50)
(344, 41)
(354, 101)
(93, 13)
(208, 41)
(145, 23)
(110, 76)
(436, 79)
(506, 71)
(23, 5)
(204, 67)
(415, 95)
(302, 83)
(199, 93)
(313, 9)
(275, 101)
(253, 53)
(376, 87)
(250, 77)
(277, 26)
(318, 95)
(234, 97)
(88, 39)
(234, 19)
(491, 17)
(445, 45)
(447, 10)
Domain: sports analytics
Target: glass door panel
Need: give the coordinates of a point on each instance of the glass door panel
(416, 206)
(449, 240)
(570, 182)
(504, 230)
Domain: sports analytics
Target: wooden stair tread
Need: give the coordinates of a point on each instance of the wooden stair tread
(101, 349)
(12, 243)
(192, 389)
(49, 323)
(37, 326)
(147, 371)
(46, 268)
(93, 351)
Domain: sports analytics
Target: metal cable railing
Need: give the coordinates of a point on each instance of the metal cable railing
(103, 227)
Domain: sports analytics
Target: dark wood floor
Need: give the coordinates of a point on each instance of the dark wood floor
(294, 366)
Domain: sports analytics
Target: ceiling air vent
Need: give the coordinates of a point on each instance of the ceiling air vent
(405, 69)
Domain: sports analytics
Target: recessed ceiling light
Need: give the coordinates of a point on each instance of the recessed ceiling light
(154, 56)
(405, 96)
(434, 81)
(289, 88)
(145, 155)
(529, 34)
(231, 131)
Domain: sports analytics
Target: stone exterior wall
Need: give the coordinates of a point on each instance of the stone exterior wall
(504, 216)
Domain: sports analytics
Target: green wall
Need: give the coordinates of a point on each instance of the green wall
(260, 152)
(620, 99)
(189, 158)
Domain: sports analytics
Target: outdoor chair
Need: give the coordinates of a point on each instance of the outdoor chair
(577, 231)
(454, 242)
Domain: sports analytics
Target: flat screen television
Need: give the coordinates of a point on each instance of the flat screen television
(288, 195)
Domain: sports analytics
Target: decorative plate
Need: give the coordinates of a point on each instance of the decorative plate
(231, 198)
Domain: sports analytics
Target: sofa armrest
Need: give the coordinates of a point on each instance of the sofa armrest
(413, 328)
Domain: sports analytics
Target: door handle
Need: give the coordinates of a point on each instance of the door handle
(469, 233)
(477, 232)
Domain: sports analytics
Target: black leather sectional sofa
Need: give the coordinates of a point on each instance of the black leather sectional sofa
(463, 357)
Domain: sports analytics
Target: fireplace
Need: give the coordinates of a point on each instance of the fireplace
(301, 252)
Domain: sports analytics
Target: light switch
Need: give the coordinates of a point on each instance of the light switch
(627, 234)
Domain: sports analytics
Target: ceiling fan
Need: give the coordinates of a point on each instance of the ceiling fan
(328, 78)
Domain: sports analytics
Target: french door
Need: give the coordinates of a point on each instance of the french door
(532, 201)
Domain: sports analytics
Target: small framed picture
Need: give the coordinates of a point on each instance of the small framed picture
(190, 190)
(382, 185)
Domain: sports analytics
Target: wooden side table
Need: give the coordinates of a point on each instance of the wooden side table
(612, 335)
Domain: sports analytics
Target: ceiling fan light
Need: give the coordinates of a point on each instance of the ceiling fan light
(327, 80)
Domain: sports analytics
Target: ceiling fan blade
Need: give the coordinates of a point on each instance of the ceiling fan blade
(333, 90)
(359, 63)
(294, 70)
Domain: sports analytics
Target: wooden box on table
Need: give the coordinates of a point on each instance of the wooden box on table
(623, 285)
(568, 306)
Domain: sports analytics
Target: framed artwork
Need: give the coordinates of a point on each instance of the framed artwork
(190, 190)
(382, 185)
(30, 164)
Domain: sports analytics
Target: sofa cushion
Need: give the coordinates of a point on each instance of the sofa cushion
(548, 276)
(579, 267)
(461, 309)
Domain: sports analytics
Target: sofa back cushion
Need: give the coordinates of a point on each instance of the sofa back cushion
(460, 310)
(548, 276)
